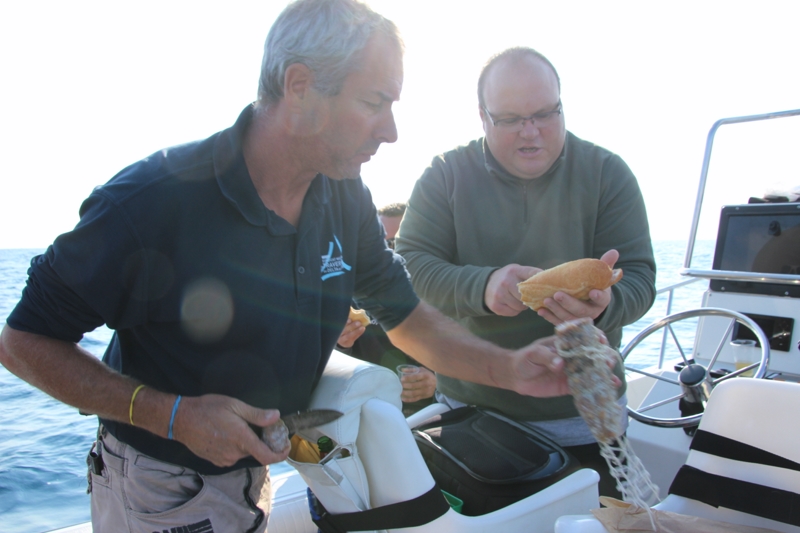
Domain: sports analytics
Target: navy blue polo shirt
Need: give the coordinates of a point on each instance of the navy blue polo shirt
(207, 290)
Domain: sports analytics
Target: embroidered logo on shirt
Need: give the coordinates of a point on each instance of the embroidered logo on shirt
(199, 527)
(333, 265)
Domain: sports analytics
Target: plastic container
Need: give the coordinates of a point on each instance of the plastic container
(745, 354)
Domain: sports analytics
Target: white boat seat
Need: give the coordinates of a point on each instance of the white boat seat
(384, 452)
(346, 384)
(749, 411)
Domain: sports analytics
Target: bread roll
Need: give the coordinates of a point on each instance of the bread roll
(575, 278)
(359, 316)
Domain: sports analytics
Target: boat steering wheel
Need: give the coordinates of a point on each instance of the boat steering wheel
(695, 380)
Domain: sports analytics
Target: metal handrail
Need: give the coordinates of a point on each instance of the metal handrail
(706, 162)
(726, 275)
(671, 288)
(733, 275)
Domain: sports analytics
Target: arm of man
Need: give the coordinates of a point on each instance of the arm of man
(214, 427)
(435, 276)
(622, 236)
(622, 225)
(445, 347)
(428, 241)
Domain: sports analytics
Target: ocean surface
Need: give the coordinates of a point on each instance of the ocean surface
(43, 443)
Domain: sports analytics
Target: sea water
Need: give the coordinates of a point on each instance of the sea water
(43, 443)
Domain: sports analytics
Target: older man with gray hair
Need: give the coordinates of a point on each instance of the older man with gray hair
(226, 269)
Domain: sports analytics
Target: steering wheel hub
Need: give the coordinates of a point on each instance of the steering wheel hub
(692, 375)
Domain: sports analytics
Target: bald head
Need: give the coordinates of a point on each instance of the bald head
(520, 107)
(518, 56)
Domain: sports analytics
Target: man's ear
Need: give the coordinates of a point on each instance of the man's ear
(297, 84)
(307, 109)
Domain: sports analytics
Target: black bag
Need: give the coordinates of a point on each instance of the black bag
(489, 461)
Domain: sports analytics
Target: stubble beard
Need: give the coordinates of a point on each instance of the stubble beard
(345, 171)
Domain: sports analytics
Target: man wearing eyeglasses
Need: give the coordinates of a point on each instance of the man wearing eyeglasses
(528, 196)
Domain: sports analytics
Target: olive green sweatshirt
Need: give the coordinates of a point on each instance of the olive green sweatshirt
(468, 217)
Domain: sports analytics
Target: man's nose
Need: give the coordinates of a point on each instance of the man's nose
(529, 127)
(387, 129)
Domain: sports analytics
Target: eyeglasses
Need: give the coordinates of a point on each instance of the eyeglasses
(390, 243)
(516, 123)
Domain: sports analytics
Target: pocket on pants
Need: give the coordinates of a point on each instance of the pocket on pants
(95, 469)
(108, 502)
(153, 486)
(113, 466)
(220, 506)
(210, 511)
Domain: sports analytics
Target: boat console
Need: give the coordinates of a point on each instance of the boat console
(750, 311)
(756, 271)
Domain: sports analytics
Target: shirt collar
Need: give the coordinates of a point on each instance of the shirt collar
(237, 186)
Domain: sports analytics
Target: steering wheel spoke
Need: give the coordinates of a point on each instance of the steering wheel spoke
(677, 344)
(654, 376)
(735, 374)
(721, 344)
(660, 403)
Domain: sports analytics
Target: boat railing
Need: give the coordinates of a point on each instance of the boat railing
(670, 291)
(701, 189)
(733, 275)
(696, 275)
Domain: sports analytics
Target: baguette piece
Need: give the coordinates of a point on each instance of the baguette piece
(359, 315)
(575, 278)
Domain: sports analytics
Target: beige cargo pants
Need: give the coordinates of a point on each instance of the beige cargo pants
(135, 493)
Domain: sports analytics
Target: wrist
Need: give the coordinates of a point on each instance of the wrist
(344, 349)
(498, 368)
(175, 406)
(152, 411)
(485, 306)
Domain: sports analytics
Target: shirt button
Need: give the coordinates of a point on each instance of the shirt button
(301, 270)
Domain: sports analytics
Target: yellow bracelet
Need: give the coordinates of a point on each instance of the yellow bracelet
(133, 397)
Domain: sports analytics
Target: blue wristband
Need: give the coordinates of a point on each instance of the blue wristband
(172, 418)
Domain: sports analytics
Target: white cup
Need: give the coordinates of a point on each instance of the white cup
(745, 354)
(406, 370)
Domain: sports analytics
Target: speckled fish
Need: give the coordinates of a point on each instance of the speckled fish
(277, 435)
(590, 378)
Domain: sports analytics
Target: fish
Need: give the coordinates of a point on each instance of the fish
(277, 436)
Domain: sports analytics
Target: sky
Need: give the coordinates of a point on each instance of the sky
(90, 87)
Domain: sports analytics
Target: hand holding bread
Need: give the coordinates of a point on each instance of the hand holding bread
(575, 278)
(359, 315)
(501, 296)
(355, 327)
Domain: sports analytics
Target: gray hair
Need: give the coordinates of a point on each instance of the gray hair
(515, 53)
(327, 36)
